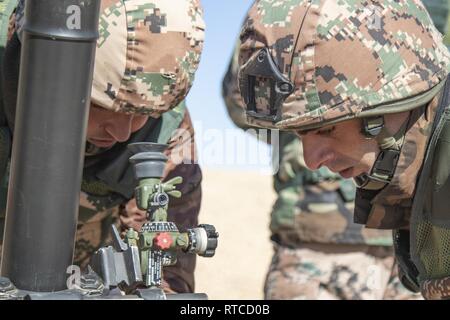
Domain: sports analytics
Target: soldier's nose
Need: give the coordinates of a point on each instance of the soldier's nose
(315, 151)
(119, 129)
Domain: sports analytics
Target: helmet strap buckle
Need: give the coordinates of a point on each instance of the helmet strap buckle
(372, 126)
(384, 167)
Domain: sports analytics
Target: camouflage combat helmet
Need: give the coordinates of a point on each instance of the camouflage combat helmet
(147, 54)
(306, 64)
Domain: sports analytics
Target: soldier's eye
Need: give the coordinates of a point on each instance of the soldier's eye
(327, 131)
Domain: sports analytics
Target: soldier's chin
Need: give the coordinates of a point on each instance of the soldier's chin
(102, 143)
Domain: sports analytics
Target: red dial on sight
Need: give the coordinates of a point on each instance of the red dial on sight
(163, 241)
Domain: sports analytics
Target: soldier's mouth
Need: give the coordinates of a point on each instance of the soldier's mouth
(347, 173)
(102, 143)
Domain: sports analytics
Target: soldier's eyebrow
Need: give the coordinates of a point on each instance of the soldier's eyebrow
(303, 132)
(306, 131)
(323, 130)
(326, 130)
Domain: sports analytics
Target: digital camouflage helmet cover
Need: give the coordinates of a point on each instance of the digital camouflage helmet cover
(309, 63)
(147, 54)
(306, 64)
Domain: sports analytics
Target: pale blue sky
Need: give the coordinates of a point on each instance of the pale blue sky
(223, 22)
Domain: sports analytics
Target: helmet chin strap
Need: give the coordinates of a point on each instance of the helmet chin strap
(390, 146)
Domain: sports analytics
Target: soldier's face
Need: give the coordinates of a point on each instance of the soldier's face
(343, 148)
(105, 127)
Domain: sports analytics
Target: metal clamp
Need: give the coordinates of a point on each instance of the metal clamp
(262, 66)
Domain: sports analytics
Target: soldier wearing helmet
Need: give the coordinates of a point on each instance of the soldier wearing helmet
(147, 55)
(316, 244)
(312, 221)
(364, 84)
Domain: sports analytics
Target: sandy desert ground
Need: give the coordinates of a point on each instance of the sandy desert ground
(238, 204)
